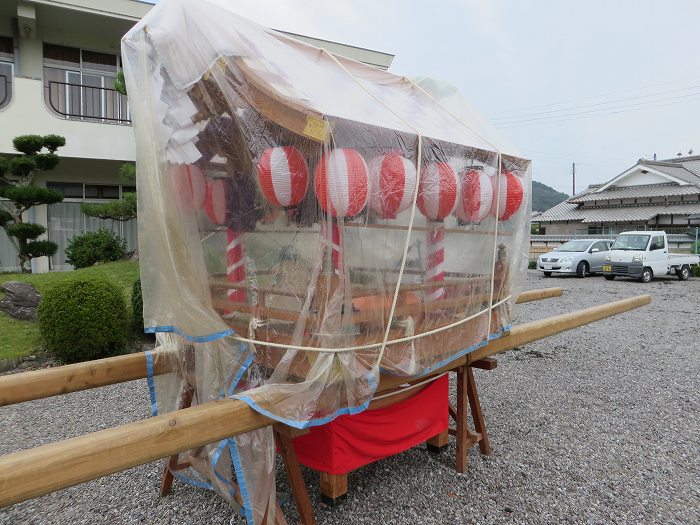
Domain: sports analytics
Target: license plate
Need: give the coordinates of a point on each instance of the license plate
(547, 266)
(607, 268)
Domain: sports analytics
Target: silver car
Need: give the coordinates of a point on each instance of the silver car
(582, 257)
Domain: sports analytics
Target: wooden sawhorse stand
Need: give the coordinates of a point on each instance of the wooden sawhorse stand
(334, 487)
(285, 448)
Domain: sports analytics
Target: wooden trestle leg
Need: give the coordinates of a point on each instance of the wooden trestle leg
(468, 393)
(173, 462)
(285, 448)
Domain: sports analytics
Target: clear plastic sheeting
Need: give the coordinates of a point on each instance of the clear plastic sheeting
(306, 224)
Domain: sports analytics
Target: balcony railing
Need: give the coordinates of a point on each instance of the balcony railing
(4, 90)
(89, 103)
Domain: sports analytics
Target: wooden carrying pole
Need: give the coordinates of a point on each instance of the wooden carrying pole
(34, 472)
(38, 384)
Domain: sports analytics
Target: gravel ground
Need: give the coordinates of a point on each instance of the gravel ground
(597, 425)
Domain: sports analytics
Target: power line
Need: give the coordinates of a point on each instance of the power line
(625, 99)
(641, 88)
(550, 120)
(635, 104)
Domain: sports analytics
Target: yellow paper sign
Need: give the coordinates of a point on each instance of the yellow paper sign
(316, 128)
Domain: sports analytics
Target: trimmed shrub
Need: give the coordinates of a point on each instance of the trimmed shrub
(137, 308)
(83, 319)
(95, 247)
(532, 265)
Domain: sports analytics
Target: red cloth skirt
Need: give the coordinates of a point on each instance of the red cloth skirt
(351, 441)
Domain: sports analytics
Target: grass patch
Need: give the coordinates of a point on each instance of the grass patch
(18, 338)
(21, 338)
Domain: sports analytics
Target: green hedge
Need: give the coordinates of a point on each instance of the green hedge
(83, 319)
(95, 247)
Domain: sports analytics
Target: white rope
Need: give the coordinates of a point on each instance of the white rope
(498, 191)
(407, 242)
(368, 346)
(404, 257)
(495, 241)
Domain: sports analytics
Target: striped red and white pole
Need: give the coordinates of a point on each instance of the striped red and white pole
(235, 265)
(337, 256)
(437, 197)
(435, 271)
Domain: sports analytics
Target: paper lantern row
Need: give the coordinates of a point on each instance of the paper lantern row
(344, 184)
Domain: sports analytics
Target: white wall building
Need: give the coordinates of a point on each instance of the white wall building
(58, 61)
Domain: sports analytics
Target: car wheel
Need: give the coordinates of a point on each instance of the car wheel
(609, 277)
(647, 275)
(684, 274)
(547, 274)
(582, 269)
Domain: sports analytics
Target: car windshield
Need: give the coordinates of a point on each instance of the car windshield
(631, 242)
(574, 246)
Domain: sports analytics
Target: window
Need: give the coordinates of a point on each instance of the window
(95, 191)
(657, 243)
(7, 59)
(595, 230)
(70, 190)
(79, 84)
(78, 190)
(601, 246)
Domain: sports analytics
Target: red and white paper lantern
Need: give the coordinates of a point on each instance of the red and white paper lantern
(191, 185)
(341, 182)
(215, 202)
(437, 194)
(510, 195)
(476, 196)
(283, 176)
(392, 184)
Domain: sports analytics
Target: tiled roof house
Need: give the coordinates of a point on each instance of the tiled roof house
(651, 194)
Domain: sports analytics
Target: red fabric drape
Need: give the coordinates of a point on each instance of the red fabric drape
(349, 442)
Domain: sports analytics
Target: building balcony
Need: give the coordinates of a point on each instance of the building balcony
(87, 103)
(81, 114)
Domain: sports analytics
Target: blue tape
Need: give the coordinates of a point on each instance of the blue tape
(192, 481)
(312, 422)
(193, 338)
(240, 373)
(151, 385)
(240, 475)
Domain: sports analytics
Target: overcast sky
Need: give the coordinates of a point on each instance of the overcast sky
(599, 83)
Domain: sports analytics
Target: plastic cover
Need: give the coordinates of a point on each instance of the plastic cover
(306, 224)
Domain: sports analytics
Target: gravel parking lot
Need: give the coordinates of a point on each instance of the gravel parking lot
(597, 425)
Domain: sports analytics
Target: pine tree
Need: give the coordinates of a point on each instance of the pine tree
(18, 173)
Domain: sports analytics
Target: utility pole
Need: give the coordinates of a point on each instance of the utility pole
(573, 177)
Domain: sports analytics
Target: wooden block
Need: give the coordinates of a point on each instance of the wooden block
(487, 363)
(334, 488)
(438, 442)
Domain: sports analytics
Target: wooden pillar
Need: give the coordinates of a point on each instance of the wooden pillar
(334, 488)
